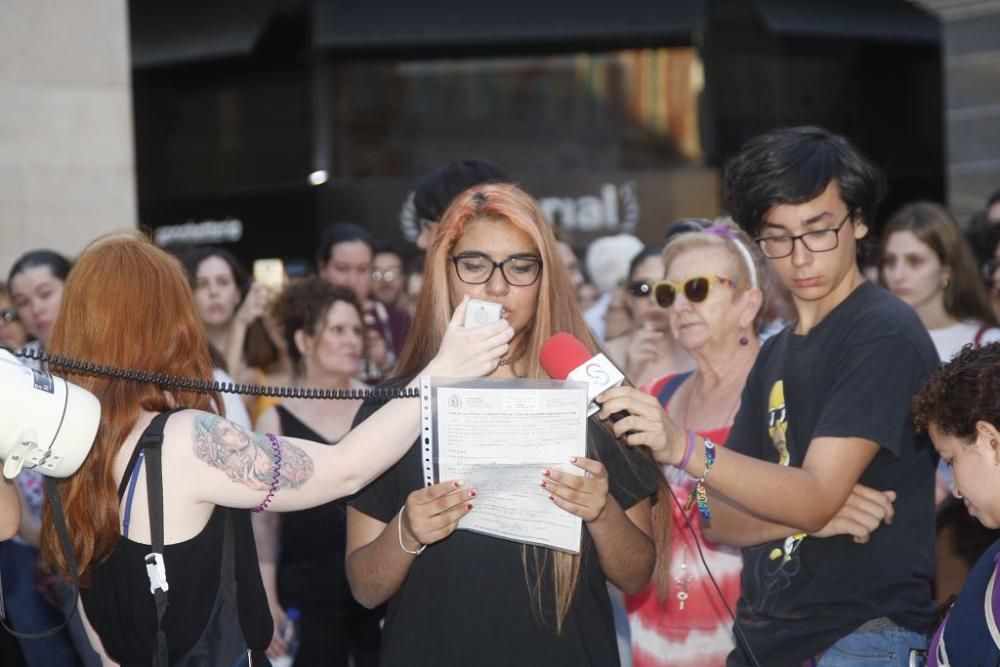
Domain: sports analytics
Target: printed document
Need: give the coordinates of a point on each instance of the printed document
(497, 437)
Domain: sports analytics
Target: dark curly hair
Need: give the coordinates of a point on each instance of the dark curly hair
(304, 304)
(962, 392)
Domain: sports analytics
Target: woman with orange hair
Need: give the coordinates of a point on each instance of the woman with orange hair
(471, 598)
(212, 470)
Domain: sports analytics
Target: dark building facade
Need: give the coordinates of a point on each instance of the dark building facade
(258, 122)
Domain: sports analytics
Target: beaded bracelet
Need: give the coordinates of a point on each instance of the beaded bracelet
(698, 492)
(688, 450)
(399, 533)
(276, 450)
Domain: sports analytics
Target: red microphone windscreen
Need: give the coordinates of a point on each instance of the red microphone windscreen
(561, 354)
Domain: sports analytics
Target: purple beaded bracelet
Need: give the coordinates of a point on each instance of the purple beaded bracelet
(276, 448)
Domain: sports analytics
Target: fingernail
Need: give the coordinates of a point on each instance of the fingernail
(458, 485)
(552, 498)
(472, 494)
(547, 473)
(468, 507)
(572, 459)
(545, 484)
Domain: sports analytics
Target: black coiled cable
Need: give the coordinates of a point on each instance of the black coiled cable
(79, 367)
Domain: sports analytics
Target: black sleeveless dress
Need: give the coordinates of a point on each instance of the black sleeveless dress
(311, 578)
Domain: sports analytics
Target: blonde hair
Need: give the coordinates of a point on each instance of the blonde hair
(748, 261)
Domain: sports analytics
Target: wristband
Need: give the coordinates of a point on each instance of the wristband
(699, 491)
(688, 449)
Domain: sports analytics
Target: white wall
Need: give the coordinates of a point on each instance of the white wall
(67, 172)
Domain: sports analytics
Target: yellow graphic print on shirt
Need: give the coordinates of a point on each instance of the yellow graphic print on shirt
(777, 428)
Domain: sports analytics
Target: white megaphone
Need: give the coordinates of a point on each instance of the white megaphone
(46, 424)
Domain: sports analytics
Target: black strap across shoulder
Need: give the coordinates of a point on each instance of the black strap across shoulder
(155, 434)
(151, 443)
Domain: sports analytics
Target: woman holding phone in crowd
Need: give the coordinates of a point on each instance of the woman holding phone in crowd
(457, 597)
(302, 553)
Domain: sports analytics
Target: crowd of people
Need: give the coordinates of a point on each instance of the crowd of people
(807, 471)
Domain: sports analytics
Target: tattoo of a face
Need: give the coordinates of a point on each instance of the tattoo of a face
(248, 458)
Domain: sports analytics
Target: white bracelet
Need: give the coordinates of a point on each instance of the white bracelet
(399, 532)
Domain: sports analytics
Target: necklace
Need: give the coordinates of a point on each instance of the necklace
(510, 359)
(683, 581)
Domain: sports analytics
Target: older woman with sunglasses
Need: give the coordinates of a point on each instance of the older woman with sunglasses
(711, 299)
(649, 350)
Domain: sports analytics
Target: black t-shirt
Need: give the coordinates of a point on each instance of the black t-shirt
(853, 375)
(466, 601)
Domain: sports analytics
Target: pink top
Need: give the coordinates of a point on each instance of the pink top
(699, 634)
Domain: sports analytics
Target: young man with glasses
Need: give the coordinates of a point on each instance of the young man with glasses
(823, 442)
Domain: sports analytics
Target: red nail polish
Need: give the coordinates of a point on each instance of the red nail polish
(544, 484)
(458, 485)
(469, 507)
(547, 473)
(552, 498)
(472, 494)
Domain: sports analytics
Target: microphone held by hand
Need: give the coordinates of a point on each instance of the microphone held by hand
(564, 357)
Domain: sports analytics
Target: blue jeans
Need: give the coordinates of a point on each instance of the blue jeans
(889, 646)
(30, 612)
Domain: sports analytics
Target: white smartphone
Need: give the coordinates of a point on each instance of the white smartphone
(478, 313)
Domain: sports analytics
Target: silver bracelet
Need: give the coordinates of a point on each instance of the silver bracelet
(399, 532)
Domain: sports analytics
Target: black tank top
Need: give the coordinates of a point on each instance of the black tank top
(123, 611)
(313, 543)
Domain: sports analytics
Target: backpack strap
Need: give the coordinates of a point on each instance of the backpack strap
(671, 386)
(151, 445)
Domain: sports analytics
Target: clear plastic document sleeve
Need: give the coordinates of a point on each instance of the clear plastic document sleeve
(497, 437)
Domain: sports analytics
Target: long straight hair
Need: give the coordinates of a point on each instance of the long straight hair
(965, 296)
(126, 304)
(556, 311)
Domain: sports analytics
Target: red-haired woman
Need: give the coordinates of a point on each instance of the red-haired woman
(471, 598)
(212, 470)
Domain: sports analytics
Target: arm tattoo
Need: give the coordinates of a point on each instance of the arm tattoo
(248, 458)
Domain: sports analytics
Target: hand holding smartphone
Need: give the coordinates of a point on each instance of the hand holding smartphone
(478, 313)
(270, 273)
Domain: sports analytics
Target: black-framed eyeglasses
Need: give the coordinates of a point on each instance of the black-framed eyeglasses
(638, 288)
(9, 314)
(475, 268)
(820, 240)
